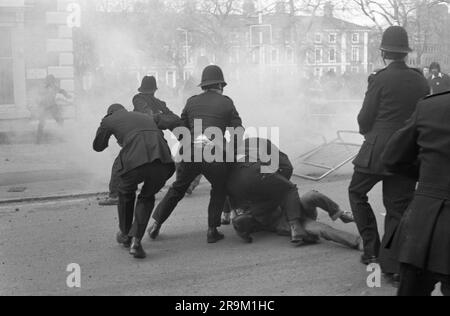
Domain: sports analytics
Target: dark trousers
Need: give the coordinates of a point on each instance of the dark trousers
(264, 192)
(154, 177)
(416, 282)
(114, 182)
(215, 173)
(398, 193)
(50, 112)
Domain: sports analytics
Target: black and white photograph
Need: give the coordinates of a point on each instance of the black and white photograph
(229, 155)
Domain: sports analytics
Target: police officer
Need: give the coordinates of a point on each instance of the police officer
(146, 103)
(439, 82)
(391, 99)
(213, 109)
(145, 158)
(421, 151)
(270, 196)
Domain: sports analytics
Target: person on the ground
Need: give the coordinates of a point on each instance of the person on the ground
(272, 201)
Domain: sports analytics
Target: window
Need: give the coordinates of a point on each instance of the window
(355, 70)
(318, 38)
(154, 74)
(318, 55)
(234, 55)
(355, 38)
(355, 54)
(256, 55)
(318, 72)
(187, 74)
(6, 68)
(332, 38)
(333, 55)
(289, 55)
(275, 56)
(332, 70)
(171, 78)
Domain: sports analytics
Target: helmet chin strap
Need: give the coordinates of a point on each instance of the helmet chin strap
(383, 55)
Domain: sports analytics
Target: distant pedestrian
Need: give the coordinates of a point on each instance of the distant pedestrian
(48, 106)
(439, 82)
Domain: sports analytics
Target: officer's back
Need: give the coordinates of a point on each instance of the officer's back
(211, 107)
(399, 88)
(122, 123)
(214, 109)
(433, 119)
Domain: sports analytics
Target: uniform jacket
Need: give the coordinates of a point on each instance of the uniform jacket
(390, 101)
(214, 109)
(439, 83)
(148, 104)
(141, 140)
(422, 150)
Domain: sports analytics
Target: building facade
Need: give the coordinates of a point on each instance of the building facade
(36, 42)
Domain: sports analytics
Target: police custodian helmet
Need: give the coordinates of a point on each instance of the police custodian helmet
(213, 75)
(395, 40)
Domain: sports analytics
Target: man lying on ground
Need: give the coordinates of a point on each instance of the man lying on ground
(271, 202)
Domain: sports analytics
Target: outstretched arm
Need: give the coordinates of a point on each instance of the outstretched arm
(101, 141)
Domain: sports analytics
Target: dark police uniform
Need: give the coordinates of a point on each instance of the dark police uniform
(264, 192)
(271, 201)
(421, 151)
(146, 103)
(439, 83)
(145, 158)
(215, 110)
(391, 99)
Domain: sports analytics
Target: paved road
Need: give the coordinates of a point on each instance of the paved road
(38, 241)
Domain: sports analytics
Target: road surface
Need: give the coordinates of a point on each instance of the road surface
(38, 242)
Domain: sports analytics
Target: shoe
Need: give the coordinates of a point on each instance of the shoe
(137, 251)
(368, 260)
(110, 201)
(214, 236)
(297, 232)
(226, 219)
(124, 240)
(245, 237)
(347, 218)
(393, 279)
(154, 231)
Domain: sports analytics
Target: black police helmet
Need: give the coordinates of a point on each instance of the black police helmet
(212, 75)
(395, 40)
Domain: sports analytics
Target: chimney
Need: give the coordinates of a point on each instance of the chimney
(328, 10)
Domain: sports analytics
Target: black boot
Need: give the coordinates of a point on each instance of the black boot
(137, 251)
(214, 236)
(154, 231)
(368, 260)
(297, 232)
(124, 240)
